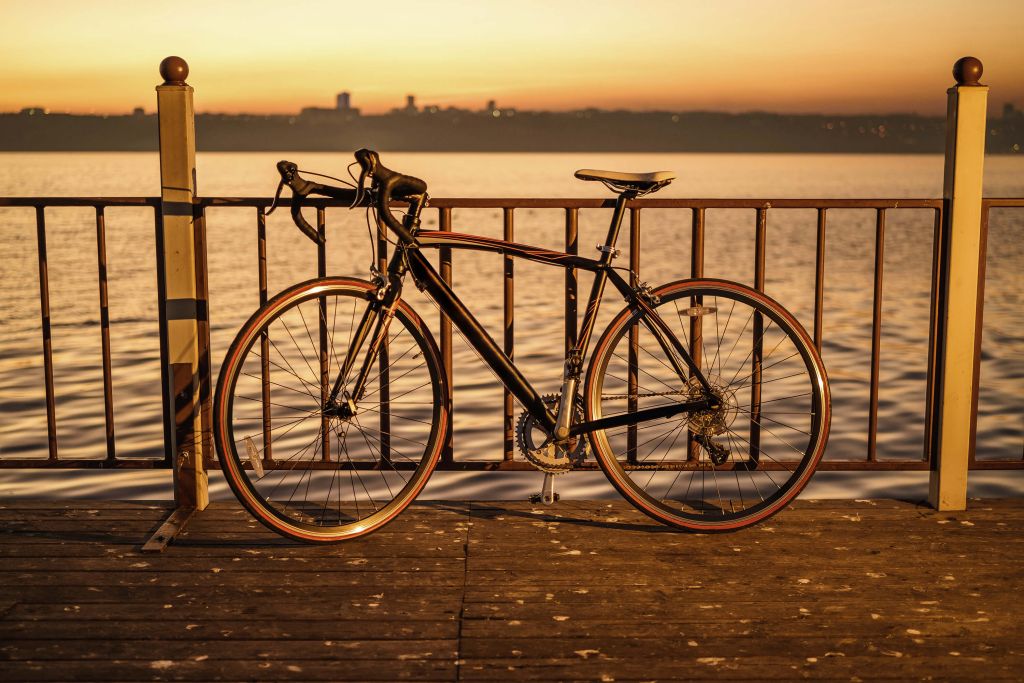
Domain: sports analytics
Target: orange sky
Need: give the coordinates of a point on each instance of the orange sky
(732, 55)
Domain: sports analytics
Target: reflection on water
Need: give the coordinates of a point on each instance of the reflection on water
(665, 255)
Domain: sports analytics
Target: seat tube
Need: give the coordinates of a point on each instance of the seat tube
(608, 253)
(613, 228)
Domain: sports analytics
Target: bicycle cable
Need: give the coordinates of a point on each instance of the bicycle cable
(329, 177)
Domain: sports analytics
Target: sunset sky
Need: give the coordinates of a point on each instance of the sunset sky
(732, 55)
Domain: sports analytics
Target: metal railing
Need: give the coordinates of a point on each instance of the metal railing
(760, 210)
(100, 205)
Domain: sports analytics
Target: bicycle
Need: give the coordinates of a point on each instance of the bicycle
(704, 401)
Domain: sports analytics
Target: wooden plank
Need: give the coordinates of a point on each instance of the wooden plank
(405, 579)
(225, 628)
(245, 649)
(334, 606)
(197, 668)
(155, 596)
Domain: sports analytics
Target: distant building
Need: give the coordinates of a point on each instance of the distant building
(342, 109)
(34, 111)
(410, 104)
(138, 111)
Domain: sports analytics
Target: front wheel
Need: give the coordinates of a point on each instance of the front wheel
(328, 475)
(724, 468)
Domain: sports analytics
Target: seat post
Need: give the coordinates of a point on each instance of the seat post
(613, 228)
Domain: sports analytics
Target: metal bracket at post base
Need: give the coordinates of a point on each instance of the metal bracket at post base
(176, 522)
(169, 530)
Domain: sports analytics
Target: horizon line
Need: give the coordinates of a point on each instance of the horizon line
(45, 111)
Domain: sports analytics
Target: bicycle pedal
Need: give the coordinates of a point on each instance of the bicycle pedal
(539, 498)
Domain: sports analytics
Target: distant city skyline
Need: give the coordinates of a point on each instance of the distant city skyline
(269, 57)
(343, 103)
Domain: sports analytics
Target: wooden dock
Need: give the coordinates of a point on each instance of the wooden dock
(479, 591)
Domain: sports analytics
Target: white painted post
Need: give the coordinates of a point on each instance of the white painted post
(183, 298)
(956, 343)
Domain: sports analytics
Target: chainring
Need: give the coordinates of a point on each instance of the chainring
(547, 456)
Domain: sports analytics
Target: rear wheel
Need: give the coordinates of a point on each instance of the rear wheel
(720, 469)
(317, 475)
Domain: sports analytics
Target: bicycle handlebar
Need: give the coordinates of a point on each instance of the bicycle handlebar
(386, 184)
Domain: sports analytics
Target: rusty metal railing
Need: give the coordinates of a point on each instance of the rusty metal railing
(760, 213)
(109, 447)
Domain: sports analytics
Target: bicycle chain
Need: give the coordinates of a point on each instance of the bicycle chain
(620, 397)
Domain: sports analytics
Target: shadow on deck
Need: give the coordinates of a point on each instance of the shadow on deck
(463, 591)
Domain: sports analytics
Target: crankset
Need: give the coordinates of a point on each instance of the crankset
(540, 450)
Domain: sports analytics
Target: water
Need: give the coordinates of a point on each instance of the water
(71, 244)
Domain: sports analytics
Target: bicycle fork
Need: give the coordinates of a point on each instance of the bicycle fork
(373, 327)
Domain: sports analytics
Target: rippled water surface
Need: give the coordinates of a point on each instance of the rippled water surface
(665, 249)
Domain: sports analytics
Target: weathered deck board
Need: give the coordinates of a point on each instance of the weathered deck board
(486, 591)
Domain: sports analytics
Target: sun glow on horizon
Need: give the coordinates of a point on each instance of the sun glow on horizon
(733, 55)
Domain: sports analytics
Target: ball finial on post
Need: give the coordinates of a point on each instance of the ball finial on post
(967, 71)
(174, 71)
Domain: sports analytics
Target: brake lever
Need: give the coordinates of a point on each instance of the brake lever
(277, 197)
(361, 190)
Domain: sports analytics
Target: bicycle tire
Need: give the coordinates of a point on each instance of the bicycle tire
(741, 463)
(269, 423)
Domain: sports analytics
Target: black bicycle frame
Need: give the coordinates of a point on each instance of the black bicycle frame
(409, 256)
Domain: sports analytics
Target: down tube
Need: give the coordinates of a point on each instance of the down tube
(478, 338)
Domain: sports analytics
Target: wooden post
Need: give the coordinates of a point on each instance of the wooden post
(184, 296)
(956, 337)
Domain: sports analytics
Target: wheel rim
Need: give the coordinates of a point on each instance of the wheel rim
(725, 468)
(375, 461)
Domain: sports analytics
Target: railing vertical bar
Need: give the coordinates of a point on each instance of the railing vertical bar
(44, 308)
(108, 386)
(876, 335)
(632, 403)
(758, 350)
(508, 303)
(384, 358)
(261, 248)
(697, 244)
(571, 278)
(819, 278)
(934, 332)
(325, 388)
(978, 332)
(695, 341)
(759, 248)
(445, 258)
(203, 367)
(161, 307)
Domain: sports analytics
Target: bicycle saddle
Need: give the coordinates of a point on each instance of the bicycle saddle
(641, 182)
